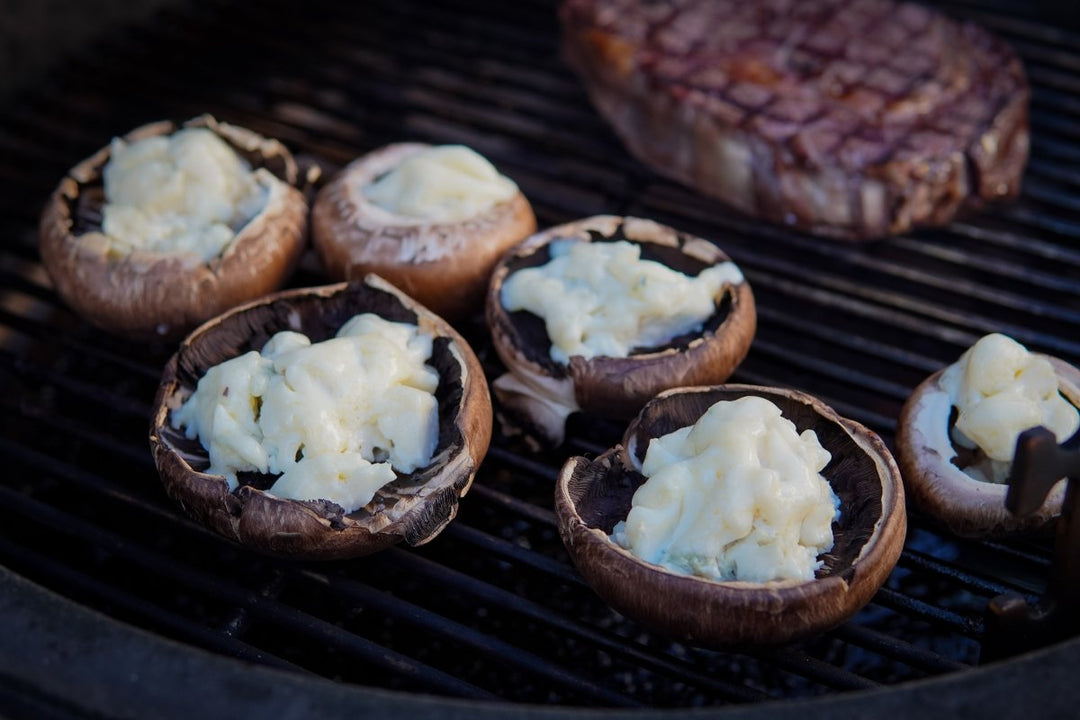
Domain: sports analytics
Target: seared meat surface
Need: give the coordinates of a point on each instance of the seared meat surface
(848, 118)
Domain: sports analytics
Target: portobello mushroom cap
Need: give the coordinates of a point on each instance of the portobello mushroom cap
(414, 507)
(164, 295)
(935, 482)
(538, 394)
(444, 265)
(591, 496)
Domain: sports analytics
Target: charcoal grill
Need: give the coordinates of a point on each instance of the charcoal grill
(112, 604)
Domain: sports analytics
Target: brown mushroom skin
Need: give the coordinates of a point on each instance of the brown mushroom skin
(961, 504)
(592, 495)
(163, 296)
(446, 266)
(617, 387)
(413, 508)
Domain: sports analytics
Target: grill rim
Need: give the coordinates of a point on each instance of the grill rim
(175, 679)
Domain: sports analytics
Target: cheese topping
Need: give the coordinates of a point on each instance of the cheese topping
(999, 390)
(448, 183)
(188, 193)
(601, 298)
(736, 496)
(334, 418)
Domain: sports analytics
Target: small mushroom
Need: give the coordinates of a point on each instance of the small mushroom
(932, 465)
(444, 265)
(591, 496)
(414, 507)
(156, 295)
(537, 395)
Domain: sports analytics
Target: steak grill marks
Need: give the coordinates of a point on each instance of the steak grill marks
(882, 93)
(492, 608)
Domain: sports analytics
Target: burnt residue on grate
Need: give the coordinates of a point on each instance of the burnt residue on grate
(493, 609)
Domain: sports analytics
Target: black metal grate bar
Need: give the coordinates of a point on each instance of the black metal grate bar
(89, 591)
(905, 652)
(478, 643)
(515, 553)
(915, 559)
(440, 574)
(220, 589)
(930, 612)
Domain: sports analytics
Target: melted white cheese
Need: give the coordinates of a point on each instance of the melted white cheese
(448, 183)
(187, 193)
(601, 298)
(736, 496)
(999, 390)
(334, 418)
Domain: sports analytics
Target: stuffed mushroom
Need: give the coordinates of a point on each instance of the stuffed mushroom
(322, 423)
(957, 434)
(167, 227)
(432, 220)
(601, 314)
(736, 583)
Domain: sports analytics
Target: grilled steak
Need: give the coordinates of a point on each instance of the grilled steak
(849, 118)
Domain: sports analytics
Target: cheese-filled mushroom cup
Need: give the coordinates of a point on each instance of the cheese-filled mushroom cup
(169, 226)
(322, 423)
(601, 314)
(432, 220)
(724, 587)
(957, 432)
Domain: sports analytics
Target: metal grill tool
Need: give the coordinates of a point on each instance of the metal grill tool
(1017, 624)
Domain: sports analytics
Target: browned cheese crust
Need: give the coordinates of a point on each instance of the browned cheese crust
(445, 266)
(153, 295)
(963, 505)
(848, 118)
(591, 496)
(616, 387)
(414, 508)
